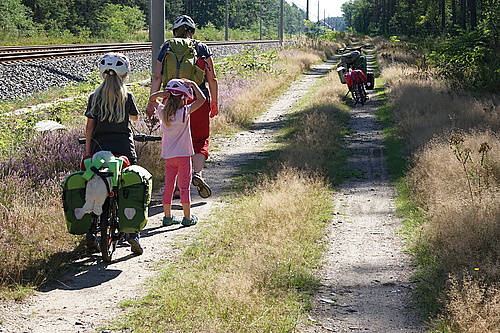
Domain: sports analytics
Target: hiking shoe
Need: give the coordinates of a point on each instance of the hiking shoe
(189, 222)
(92, 243)
(168, 221)
(135, 246)
(203, 189)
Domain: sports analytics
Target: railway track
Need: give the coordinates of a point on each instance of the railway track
(18, 53)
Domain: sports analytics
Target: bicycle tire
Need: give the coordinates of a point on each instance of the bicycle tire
(109, 230)
(355, 96)
(362, 94)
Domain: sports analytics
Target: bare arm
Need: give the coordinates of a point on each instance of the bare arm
(155, 86)
(156, 82)
(200, 96)
(89, 129)
(213, 87)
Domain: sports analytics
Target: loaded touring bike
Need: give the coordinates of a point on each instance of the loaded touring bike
(352, 70)
(108, 200)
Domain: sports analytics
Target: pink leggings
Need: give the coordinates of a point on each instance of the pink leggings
(180, 168)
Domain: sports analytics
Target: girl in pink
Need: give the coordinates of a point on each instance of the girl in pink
(177, 146)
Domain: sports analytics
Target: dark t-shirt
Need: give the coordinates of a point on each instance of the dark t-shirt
(114, 137)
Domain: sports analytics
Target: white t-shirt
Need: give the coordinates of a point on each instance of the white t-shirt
(176, 139)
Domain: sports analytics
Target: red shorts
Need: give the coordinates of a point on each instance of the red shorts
(200, 129)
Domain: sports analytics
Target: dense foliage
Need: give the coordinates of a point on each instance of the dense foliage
(123, 20)
(461, 36)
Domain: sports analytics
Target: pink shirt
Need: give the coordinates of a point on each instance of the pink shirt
(176, 139)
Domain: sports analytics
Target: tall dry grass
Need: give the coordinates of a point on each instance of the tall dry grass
(461, 202)
(467, 311)
(426, 106)
(451, 144)
(243, 98)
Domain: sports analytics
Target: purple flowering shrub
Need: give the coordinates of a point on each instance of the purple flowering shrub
(32, 226)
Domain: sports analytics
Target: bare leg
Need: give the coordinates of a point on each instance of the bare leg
(167, 209)
(198, 162)
(186, 208)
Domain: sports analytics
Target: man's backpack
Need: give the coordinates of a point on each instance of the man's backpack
(180, 61)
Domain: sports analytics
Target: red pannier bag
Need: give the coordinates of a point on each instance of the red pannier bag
(348, 80)
(358, 76)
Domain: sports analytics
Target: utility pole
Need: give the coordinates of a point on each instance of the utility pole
(227, 20)
(280, 33)
(156, 28)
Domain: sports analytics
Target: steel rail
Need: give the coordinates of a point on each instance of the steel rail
(18, 53)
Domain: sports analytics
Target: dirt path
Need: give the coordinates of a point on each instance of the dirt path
(365, 270)
(366, 280)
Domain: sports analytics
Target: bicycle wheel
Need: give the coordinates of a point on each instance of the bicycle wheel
(109, 229)
(362, 94)
(355, 96)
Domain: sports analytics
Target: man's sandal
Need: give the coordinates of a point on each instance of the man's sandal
(203, 189)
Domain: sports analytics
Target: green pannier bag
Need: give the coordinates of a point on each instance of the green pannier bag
(73, 196)
(360, 63)
(180, 61)
(134, 196)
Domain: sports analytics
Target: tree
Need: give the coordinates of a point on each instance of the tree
(55, 15)
(118, 22)
(15, 19)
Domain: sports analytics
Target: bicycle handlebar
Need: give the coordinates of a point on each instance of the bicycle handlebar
(359, 48)
(145, 137)
(137, 137)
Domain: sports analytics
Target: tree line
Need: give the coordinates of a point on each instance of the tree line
(460, 37)
(422, 17)
(117, 20)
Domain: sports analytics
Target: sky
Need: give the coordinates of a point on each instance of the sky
(332, 7)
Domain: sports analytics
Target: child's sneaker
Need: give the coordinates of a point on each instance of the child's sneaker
(203, 189)
(189, 222)
(135, 246)
(168, 221)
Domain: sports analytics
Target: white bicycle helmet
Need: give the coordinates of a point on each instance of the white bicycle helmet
(178, 87)
(116, 62)
(184, 20)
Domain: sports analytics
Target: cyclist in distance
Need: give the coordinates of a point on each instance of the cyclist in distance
(184, 27)
(109, 111)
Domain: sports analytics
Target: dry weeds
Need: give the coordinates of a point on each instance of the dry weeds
(455, 180)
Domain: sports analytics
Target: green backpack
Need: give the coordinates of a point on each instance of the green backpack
(134, 196)
(73, 195)
(180, 61)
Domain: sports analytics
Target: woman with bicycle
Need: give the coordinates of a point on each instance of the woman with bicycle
(177, 146)
(109, 109)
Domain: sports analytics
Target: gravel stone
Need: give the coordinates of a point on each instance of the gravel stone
(23, 78)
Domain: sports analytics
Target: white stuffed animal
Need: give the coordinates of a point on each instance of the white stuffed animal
(96, 190)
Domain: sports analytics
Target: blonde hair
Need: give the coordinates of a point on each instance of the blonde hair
(108, 103)
(172, 104)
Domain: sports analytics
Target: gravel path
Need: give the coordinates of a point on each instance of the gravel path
(365, 268)
(366, 284)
